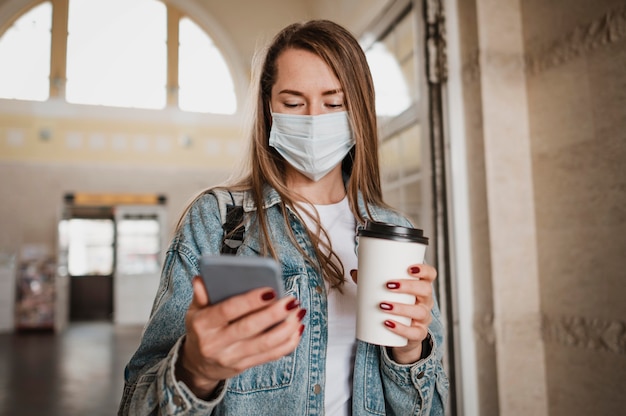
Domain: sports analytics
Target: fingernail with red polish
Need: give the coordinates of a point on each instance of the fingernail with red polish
(393, 285)
(293, 304)
(301, 330)
(414, 270)
(301, 314)
(386, 306)
(390, 324)
(269, 295)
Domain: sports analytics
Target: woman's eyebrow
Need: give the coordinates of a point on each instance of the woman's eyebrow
(298, 93)
(333, 92)
(291, 92)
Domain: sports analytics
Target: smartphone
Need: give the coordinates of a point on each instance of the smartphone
(226, 276)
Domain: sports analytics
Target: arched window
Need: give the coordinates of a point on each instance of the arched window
(118, 54)
(392, 89)
(395, 64)
(25, 56)
(202, 76)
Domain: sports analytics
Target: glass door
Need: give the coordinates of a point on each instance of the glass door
(86, 260)
(139, 251)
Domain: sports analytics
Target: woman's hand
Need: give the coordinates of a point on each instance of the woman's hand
(244, 331)
(421, 286)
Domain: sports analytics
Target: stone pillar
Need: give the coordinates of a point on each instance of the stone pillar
(510, 200)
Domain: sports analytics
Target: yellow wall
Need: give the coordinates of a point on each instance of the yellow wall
(31, 138)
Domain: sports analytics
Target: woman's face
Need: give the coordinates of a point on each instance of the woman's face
(305, 85)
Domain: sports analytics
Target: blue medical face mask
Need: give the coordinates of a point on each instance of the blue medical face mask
(313, 145)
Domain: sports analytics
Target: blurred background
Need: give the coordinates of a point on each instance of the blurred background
(503, 136)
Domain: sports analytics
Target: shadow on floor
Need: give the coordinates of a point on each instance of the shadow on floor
(76, 373)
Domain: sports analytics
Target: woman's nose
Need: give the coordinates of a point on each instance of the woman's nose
(314, 109)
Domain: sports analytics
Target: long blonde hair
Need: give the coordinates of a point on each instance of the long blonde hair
(343, 54)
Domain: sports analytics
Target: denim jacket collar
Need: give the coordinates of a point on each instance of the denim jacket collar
(271, 197)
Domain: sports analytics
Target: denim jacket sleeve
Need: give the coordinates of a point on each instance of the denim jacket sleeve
(150, 384)
(425, 382)
(384, 387)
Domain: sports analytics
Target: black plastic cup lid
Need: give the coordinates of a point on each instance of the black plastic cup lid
(393, 232)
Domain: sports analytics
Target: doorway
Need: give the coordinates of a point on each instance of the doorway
(88, 237)
(111, 257)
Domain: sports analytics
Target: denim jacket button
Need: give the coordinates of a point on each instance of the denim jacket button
(317, 389)
(178, 401)
(319, 289)
(420, 375)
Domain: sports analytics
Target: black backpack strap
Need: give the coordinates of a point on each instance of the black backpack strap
(233, 228)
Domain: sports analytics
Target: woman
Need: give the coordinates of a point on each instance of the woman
(302, 201)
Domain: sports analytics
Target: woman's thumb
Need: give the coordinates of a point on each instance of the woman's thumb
(200, 297)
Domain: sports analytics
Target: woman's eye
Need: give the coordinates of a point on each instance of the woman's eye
(291, 105)
(334, 105)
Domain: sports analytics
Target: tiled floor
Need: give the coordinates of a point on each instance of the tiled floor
(77, 373)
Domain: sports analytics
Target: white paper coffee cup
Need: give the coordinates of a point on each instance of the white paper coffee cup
(385, 253)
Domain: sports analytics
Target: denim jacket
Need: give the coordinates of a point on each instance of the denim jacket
(294, 384)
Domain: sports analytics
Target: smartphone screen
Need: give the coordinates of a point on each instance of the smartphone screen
(227, 276)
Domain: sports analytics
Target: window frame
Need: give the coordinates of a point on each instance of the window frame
(417, 112)
(57, 105)
(427, 113)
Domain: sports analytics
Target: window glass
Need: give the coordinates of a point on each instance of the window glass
(392, 63)
(401, 154)
(391, 89)
(401, 41)
(389, 156)
(116, 56)
(89, 245)
(117, 53)
(411, 153)
(205, 83)
(413, 201)
(25, 56)
(401, 167)
(138, 245)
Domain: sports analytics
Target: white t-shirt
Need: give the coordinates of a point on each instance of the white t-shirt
(339, 223)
